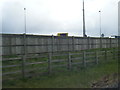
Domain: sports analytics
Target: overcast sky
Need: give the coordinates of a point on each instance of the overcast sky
(53, 16)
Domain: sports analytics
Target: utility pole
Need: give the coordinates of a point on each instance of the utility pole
(84, 35)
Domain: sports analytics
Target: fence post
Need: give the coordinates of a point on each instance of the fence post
(25, 55)
(68, 44)
(52, 43)
(10, 47)
(23, 66)
(100, 42)
(88, 39)
(105, 55)
(96, 54)
(84, 58)
(49, 62)
(73, 40)
(69, 61)
(114, 53)
(110, 43)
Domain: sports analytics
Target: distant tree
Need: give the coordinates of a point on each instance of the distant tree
(102, 35)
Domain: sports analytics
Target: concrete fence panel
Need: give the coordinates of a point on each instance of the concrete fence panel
(14, 43)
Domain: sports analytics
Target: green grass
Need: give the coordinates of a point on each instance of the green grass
(81, 78)
(10, 56)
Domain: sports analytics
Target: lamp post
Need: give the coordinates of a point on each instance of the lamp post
(84, 35)
(24, 41)
(100, 31)
(25, 19)
(100, 23)
(25, 31)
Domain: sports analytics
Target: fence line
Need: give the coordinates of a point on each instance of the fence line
(67, 60)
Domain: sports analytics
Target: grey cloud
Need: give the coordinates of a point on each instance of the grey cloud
(12, 17)
(40, 19)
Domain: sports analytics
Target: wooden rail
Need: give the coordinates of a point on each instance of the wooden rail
(81, 59)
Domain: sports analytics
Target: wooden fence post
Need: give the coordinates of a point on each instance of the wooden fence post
(88, 39)
(84, 59)
(25, 55)
(73, 42)
(96, 55)
(23, 66)
(114, 54)
(117, 51)
(52, 43)
(105, 55)
(100, 42)
(68, 44)
(69, 61)
(110, 43)
(49, 62)
(10, 47)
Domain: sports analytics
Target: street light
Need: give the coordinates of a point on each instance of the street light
(25, 19)
(24, 41)
(84, 35)
(100, 23)
(25, 52)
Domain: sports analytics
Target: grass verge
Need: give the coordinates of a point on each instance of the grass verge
(81, 78)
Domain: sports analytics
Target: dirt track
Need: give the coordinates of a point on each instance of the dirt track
(108, 81)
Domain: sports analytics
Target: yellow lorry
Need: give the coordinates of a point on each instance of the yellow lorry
(62, 34)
